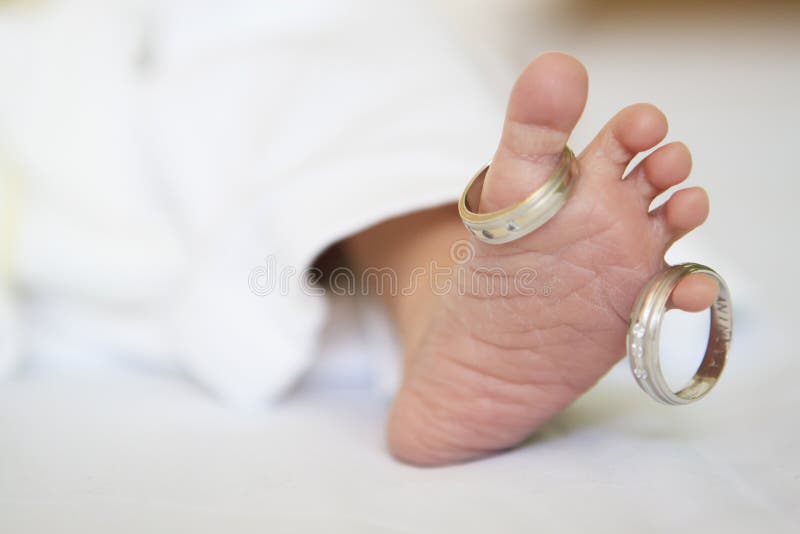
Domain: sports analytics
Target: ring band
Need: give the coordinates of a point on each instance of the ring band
(524, 217)
(645, 328)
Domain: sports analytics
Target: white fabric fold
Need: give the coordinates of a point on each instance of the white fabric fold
(174, 150)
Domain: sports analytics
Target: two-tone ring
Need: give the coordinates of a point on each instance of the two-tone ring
(645, 327)
(516, 221)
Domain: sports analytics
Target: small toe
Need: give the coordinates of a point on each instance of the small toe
(684, 211)
(694, 293)
(634, 129)
(666, 167)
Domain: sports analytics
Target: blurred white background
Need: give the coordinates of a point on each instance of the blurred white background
(132, 451)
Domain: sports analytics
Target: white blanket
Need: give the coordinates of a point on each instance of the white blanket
(182, 162)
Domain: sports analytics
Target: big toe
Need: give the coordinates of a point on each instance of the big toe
(546, 103)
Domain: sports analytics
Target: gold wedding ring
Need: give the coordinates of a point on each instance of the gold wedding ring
(524, 217)
(645, 328)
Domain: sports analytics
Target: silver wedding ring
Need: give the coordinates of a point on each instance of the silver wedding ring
(645, 328)
(524, 217)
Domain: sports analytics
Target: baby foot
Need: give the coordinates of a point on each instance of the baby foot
(493, 367)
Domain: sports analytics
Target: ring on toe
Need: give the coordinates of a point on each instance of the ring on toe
(645, 327)
(511, 223)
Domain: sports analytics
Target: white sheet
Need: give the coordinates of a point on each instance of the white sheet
(128, 451)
